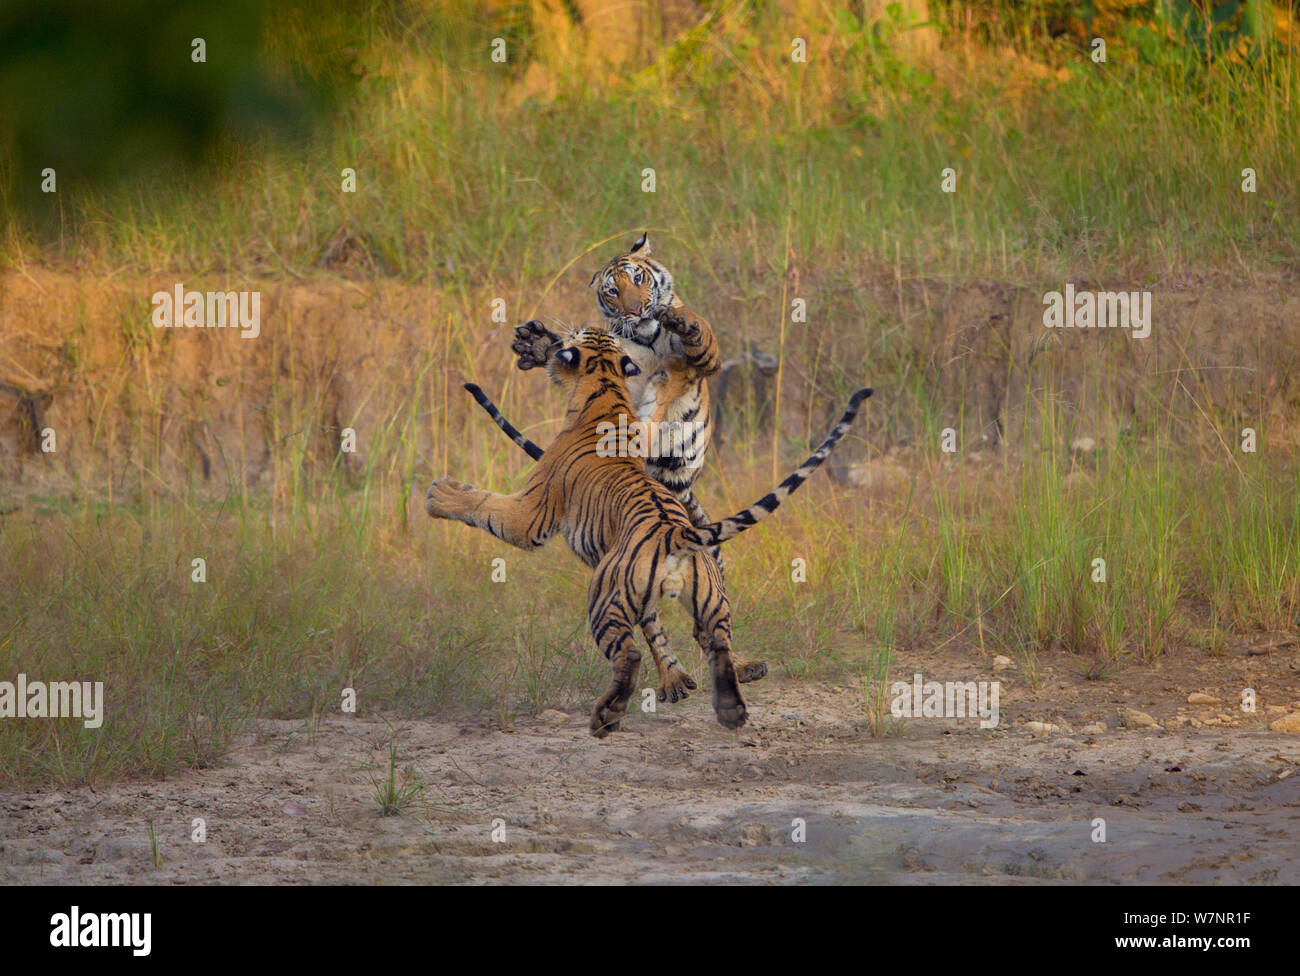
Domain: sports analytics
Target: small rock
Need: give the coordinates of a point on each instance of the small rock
(1196, 698)
(1133, 719)
(293, 809)
(1177, 722)
(1046, 728)
(1093, 728)
(1001, 662)
(552, 716)
(1288, 723)
(753, 835)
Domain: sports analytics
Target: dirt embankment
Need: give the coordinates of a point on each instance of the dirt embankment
(138, 409)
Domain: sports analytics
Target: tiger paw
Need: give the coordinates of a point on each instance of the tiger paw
(605, 719)
(676, 323)
(729, 708)
(677, 686)
(747, 671)
(533, 344)
(441, 498)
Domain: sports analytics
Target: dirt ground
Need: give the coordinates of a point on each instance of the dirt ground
(1210, 796)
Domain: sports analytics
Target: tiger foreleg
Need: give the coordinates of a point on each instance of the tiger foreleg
(699, 345)
(533, 344)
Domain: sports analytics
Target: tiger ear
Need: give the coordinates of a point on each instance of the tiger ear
(641, 247)
(569, 357)
(594, 279)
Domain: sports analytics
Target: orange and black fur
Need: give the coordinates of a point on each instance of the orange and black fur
(627, 526)
(674, 349)
(675, 352)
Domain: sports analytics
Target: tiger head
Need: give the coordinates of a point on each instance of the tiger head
(588, 360)
(633, 290)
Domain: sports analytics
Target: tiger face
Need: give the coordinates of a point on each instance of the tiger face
(633, 291)
(590, 355)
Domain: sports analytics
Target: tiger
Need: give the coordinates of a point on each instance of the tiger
(675, 684)
(674, 348)
(628, 527)
(676, 351)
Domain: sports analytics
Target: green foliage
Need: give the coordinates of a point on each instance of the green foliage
(1057, 158)
(110, 94)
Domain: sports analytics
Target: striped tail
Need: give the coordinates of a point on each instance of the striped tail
(705, 537)
(531, 449)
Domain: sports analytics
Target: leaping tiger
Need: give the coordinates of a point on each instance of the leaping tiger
(675, 351)
(631, 529)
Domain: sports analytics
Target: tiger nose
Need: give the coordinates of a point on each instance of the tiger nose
(637, 310)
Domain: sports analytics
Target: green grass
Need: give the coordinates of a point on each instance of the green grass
(394, 793)
(299, 605)
(466, 174)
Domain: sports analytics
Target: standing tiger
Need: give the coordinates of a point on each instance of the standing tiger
(675, 351)
(630, 528)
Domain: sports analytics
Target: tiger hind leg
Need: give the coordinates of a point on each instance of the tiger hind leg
(728, 705)
(614, 637)
(674, 683)
(707, 604)
(507, 517)
(746, 671)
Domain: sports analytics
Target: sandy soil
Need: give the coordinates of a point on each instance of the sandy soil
(674, 798)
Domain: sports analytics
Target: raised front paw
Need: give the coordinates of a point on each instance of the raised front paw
(677, 324)
(441, 498)
(533, 344)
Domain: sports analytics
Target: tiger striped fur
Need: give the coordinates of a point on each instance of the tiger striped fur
(627, 526)
(675, 684)
(676, 351)
(674, 348)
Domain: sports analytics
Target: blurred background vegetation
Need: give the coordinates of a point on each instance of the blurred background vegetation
(467, 166)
